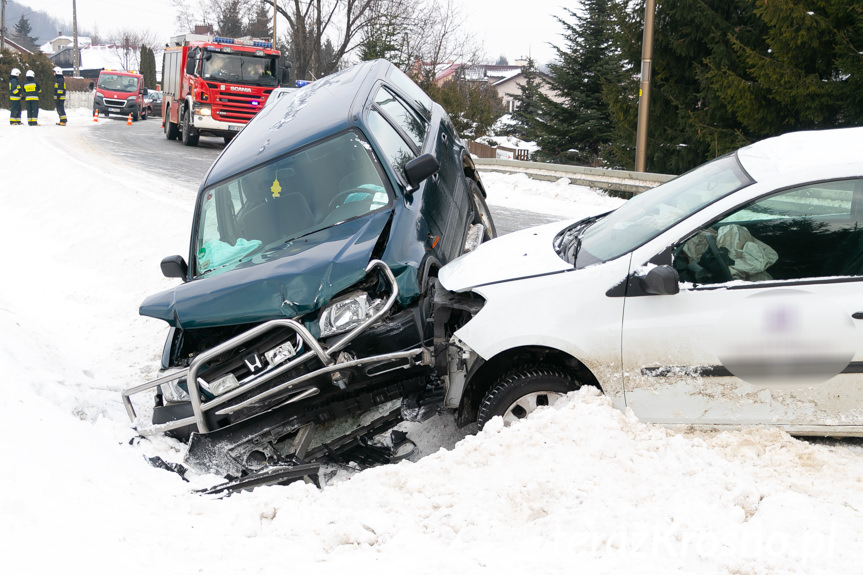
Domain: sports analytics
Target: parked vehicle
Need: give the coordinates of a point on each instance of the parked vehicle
(728, 296)
(153, 102)
(120, 92)
(307, 291)
(214, 85)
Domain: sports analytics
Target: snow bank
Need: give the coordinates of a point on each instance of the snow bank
(580, 487)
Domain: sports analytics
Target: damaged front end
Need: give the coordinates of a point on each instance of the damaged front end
(275, 395)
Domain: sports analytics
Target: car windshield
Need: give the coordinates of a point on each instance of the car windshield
(118, 83)
(264, 209)
(649, 214)
(240, 68)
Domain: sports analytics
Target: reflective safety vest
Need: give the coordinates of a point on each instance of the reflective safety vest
(59, 88)
(31, 90)
(14, 89)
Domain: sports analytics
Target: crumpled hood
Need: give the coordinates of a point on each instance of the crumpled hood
(517, 255)
(301, 277)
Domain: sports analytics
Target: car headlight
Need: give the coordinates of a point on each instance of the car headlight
(348, 313)
(203, 111)
(131, 98)
(173, 393)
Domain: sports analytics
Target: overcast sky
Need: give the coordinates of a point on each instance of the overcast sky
(512, 28)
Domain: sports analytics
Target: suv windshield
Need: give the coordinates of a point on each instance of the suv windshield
(240, 68)
(264, 209)
(649, 214)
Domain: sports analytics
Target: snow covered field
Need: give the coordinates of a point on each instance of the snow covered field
(577, 488)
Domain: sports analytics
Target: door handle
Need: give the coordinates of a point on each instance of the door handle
(857, 315)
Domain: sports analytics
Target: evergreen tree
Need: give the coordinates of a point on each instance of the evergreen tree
(805, 74)
(259, 25)
(576, 126)
(688, 122)
(148, 67)
(526, 103)
(230, 22)
(23, 29)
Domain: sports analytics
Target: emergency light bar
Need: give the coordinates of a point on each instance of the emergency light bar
(255, 43)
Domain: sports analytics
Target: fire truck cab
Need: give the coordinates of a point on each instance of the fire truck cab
(214, 85)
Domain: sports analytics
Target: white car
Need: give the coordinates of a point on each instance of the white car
(731, 295)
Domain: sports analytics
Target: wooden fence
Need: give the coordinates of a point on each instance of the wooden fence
(502, 152)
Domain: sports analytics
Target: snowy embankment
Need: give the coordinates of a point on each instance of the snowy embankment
(579, 487)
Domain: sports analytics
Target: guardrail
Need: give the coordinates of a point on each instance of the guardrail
(619, 182)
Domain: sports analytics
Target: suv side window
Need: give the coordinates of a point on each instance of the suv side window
(811, 231)
(414, 127)
(397, 151)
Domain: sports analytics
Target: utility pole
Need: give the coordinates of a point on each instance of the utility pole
(644, 87)
(2, 24)
(275, 15)
(76, 64)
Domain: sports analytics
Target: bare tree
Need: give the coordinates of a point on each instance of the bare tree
(418, 36)
(126, 46)
(312, 22)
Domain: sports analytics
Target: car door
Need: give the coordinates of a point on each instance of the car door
(766, 326)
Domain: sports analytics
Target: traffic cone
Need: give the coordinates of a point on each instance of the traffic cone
(129, 121)
(95, 115)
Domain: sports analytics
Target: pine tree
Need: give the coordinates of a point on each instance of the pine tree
(23, 28)
(148, 67)
(526, 103)
(805, 74)
(576, 126)
(259, 25)
(688, 122)
(230, 21)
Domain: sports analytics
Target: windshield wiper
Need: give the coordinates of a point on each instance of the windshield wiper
(568, 243)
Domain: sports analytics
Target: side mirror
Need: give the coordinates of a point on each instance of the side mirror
(145, 91)
(174, 267)
(91, 86)
(419, 169)
(286, 74)
(661, 280)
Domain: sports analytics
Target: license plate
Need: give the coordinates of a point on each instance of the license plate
(235, 128)
(115, 109)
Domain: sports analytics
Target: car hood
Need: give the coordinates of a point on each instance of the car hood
(302, 277)
(517, 255)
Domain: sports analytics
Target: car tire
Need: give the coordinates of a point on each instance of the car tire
(515, 395)
(481, 213)
(188, 138)
(171, 130)
(144, 114)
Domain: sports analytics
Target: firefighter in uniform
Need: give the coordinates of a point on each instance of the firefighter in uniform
(31, 97)
(60, 95)
(15, 91)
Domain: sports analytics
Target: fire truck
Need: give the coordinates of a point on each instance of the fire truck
(214, 85)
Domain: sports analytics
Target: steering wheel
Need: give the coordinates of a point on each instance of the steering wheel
(719, 257)
(337, 201)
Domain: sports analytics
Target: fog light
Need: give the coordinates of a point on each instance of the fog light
(282, 353)
(224, 384)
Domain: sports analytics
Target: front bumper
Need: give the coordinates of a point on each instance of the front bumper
(205, 123)
(293, 390)
(115, 107)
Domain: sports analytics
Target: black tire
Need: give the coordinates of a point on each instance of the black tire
(188, 138)
(518, 393)
(144, 114)
(481, 213)
(171, 130)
